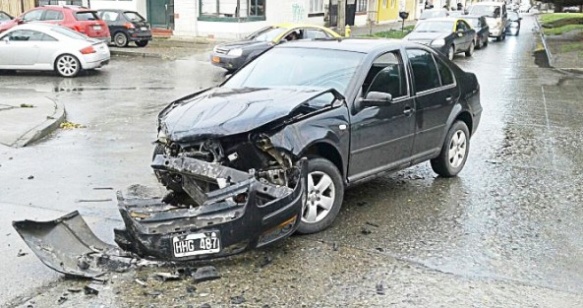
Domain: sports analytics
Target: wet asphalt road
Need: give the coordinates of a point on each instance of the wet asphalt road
(507, 232)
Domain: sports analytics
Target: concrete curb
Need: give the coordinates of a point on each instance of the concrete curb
(45, 128)
(114, 52)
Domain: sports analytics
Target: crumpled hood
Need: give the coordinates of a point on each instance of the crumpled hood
(224, 111)
(425, 36)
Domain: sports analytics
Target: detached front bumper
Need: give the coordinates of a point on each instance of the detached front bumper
(246, 213)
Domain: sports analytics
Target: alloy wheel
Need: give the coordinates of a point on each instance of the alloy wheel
(457, 149)
(67, 65)
(450, 53)
(320, 199)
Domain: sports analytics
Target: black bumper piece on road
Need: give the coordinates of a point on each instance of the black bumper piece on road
(268, 213)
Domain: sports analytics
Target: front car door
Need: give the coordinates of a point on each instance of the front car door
(382, 136)
(435, 95)
(462, 38)
(21, 47)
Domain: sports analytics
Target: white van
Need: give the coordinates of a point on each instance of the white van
(496, 17)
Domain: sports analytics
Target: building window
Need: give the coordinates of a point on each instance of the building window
(361, 6)
(316, 6)
(232, 10)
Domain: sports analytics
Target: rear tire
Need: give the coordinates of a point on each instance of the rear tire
(142, 43)
(67, 65)
(325, 193)
(120, 39)
(454, 152)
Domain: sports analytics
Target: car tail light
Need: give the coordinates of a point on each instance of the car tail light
(79, 28)
(87, 50)
(129, 25)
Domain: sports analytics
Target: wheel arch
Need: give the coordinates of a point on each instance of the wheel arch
(328, 151)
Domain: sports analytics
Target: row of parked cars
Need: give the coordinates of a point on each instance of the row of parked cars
(462, 31)
(67, 39)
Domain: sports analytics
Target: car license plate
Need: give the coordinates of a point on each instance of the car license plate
(196, 244)
(96, 28)
(144, 28)
(216, 59)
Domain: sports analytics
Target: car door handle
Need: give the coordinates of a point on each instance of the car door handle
(448, 99)
(408, 111)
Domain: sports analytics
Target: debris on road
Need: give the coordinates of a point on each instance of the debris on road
(167, 276)
(206, 273)
(102, 188)
(140, 282)
(265, 261)
(93, 200)
(74, 290)
(372, 224)
(30, 177)
(26, 106)
(380, 288)
(237, 300)
(70, 125)
(335, 246)
(62, 300)
(190, 289)
(21, 253)
(153, 294)
(366, 231)
(92, 289)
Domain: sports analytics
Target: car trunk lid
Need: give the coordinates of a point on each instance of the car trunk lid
(90, 24)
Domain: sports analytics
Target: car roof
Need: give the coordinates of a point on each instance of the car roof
(116, 10)
(289, 25)
(65, 7)
(354, 45)
(455, 18)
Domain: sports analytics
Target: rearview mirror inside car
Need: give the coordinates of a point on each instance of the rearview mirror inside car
(374, 98)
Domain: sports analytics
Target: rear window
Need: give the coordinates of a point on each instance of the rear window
(86, 15)
(70, 33)
(133, 16)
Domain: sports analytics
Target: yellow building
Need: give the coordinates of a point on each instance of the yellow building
(388, 10)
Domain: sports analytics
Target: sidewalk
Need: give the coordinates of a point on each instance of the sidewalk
(26, 120)
(368, 30)
(563, 51)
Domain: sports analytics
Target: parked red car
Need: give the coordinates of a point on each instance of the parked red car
(78, 18)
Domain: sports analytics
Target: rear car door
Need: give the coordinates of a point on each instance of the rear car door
(382, 136)
(435, 95)
(53, 17)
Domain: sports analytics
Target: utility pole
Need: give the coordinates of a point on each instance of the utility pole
(340, 27)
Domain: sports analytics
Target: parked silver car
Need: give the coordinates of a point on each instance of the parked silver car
(50, 47)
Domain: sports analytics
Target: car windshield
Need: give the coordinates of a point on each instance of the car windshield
(299, 67)
(70, 33)
(492, 11)
(86, 15)
(434, 26)
(266, 34)
(133, 16)
(433, 14)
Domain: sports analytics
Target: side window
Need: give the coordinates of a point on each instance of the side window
(315, 33)
(425, 74)
(48, 38)
(53, 15)
(109, 16)
(387, 75)
(25, 36)
(445, 73)
(32, 16)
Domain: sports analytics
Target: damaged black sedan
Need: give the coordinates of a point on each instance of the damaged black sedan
(272, 149)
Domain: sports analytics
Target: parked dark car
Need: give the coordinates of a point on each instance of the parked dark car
(126, 26)
(513, 23)
(231, 56)
(273, 148)
(482, 29)
(448, 35)
(5, 17)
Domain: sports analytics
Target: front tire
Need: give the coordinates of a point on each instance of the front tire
(454, 151)
(67, 65)
(325, 194)
(470, 50)
(120, 39)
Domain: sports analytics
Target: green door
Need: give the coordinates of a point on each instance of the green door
(161, 13)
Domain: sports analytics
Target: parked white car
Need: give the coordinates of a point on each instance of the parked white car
(37, 46)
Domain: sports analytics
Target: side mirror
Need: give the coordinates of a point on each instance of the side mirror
(19, 20)
(374, 98)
